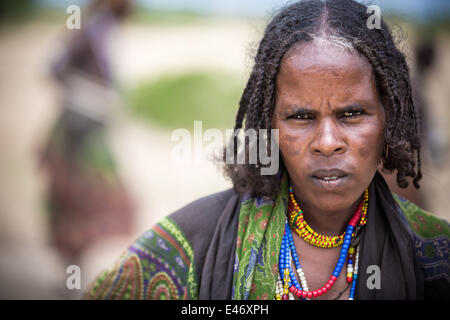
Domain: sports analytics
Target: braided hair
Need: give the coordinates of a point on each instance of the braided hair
(304, 21)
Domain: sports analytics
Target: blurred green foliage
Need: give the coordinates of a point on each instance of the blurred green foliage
(25, 11)
(16, 10)
(177, 100)
(159, 17)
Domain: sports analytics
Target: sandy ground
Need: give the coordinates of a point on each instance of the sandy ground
(29, 105)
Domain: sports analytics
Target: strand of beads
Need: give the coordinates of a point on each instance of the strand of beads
(284, 266)
(302, 228)
(363, 220)
(351, 251)
(287, 253)
(286, 271)
(288, 243)
(284, 262)
(298, 266)
(335, 274)
(351, 271)
(278, 289)
(355, 277)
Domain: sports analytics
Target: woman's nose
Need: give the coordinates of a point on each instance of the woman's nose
(327, 139)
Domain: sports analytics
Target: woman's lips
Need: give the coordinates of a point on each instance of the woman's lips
(330, 183)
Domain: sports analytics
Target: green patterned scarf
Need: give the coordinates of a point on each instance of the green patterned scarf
(261, 227)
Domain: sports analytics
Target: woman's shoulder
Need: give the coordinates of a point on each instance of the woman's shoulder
(204, 213)
(423, 223)
(431, 242)
(161, 263)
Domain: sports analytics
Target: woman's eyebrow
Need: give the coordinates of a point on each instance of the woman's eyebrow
(350, 107)
(294, 109)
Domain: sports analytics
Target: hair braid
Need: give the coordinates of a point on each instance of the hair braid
(346, 19)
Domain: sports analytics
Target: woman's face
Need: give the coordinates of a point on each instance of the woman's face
(331, 125)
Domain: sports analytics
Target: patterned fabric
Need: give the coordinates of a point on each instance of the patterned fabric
(159, 265)
(261, 227)
(431, 236)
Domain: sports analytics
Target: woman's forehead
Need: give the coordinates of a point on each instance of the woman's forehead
(312, 57)
(313, 73)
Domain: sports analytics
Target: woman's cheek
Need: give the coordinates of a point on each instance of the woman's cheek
(364, 152)
(368, 150)
(290, 144)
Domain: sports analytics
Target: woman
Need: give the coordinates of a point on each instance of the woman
(77, 158)
(326, 225)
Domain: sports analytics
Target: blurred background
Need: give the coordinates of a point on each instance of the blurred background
(86, 118)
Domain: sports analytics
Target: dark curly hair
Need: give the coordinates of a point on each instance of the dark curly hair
(347, 20)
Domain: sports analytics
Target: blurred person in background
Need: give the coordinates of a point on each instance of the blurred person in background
(86, 199)
(426, 53)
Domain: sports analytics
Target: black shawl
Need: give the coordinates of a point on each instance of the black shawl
(386, 242)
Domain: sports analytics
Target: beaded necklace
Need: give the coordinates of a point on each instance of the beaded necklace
(301, 227)
(287, 286)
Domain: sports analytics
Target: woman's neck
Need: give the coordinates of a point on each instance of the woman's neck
(328, 222)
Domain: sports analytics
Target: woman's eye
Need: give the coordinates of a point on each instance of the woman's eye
(301, 116)
(352, 114)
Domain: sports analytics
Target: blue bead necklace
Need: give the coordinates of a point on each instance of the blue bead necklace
(287, 282)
